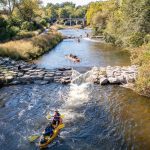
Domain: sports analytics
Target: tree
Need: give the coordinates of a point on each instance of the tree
(28, 9)
(9, 5)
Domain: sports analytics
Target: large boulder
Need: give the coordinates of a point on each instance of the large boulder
(113, 80)
(103, 81)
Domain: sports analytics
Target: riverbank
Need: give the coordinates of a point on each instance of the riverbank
(30, 48)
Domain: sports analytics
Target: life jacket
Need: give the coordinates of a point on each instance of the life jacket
(49, 130)
(57, 117)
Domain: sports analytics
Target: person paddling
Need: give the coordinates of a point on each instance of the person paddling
(57, 119)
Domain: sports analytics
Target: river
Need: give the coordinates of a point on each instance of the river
(96, 117)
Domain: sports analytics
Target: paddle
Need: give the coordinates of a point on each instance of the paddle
(32, 138)
(48, 117)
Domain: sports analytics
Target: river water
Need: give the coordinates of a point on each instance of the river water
(96, 117)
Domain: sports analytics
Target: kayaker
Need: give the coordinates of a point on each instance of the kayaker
(57, 119)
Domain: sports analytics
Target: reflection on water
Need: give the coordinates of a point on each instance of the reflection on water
(96, 117)
(90, 52)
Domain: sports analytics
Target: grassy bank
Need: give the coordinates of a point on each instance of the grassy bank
(141, 57)
(30, 48)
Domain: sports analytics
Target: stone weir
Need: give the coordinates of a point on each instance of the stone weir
(108, 75)
(20, 72)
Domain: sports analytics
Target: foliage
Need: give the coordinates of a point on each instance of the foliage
(126, 22)
(3, 22)
(141, 57)
(30, 48)
(29, 26)
(92, 10)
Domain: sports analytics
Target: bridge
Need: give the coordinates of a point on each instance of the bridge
(72, 21)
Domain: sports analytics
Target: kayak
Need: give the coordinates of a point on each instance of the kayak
(77, 60)
(48, 139)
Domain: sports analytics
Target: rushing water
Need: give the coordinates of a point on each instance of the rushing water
(96, 117)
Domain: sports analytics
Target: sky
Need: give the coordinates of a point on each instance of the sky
(77, 2)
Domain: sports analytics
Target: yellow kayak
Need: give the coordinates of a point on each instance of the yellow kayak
(49, 139)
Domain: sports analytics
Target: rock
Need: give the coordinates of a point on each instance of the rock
(36, 77)
(9, 78)
(102, 71)
(130, 78)
(25, 77)
(58, 73)
(50, 79)
(49, 75)
(15, 82)
(64, 69)
(103, 81)
(63, 81)
(122, 79)
(41, 82)
(20, 74)
(113, 80)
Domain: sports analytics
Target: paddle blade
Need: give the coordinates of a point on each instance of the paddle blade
(48, 116)
(32, 138)
(62, 116)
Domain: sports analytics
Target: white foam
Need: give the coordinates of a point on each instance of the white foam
(92, 40)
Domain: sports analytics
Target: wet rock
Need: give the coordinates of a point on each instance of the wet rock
(9, 78)
(103, 81)
(130, 78)
(25, 77)
(121, 79)
(63, 81)
(49, 75)
(50, 79)
(113, 80)
(15, 82)
(64, 69)
(41, 82)
(58, 73)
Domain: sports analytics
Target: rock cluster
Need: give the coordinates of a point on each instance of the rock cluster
(113, 75)
(19, 72)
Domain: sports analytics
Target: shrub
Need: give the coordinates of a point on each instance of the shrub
(3, 22)
(43, 22)
(141, 57)
(147, 38)
(13, 21)
(28, 26)
(25, 34)
(4, 34)
(13, 30)
(136, 39)
(109, 38)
